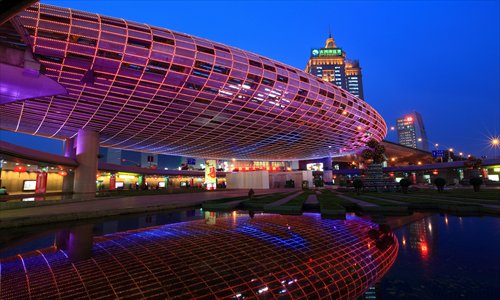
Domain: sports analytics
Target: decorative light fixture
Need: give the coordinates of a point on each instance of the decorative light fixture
(20, 169)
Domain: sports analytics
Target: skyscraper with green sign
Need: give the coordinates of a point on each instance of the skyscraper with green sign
(330, 64)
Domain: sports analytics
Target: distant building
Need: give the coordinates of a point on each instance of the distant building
(330, 64)
(411, 131)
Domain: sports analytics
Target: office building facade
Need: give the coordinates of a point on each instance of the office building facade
(330, 64)
(411, 131)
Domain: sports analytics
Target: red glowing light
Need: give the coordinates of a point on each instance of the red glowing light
(409, 119)
(62, 173)
(274, 168)
(247, 168)
(435, 172)
(20, 169)
(423, 248)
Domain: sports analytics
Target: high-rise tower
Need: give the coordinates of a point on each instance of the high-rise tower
(411, 131)
(330, 64)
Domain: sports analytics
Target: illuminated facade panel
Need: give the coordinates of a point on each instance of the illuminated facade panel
(150, 89)
(267, 257)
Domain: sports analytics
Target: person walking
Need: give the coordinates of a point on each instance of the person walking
(250, 194)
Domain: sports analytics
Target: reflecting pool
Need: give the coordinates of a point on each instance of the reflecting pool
(230, 256)
(445, 257)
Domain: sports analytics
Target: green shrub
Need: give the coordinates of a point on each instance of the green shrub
(476, 183)
(358, 185)
(318, 183)
(404, 183)
(290, 183)
(440, 183)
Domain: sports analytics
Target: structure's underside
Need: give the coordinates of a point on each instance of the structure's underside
(151, 89)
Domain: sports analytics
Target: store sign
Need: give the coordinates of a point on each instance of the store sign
(210, 174)
(41, 182)
(325, 52)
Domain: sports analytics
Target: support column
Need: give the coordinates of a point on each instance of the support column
(327, 171)
(87, 149)
(76, 241)
(68, 180)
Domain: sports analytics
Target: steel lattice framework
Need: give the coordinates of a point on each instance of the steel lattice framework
(151, 89)
(269, 257)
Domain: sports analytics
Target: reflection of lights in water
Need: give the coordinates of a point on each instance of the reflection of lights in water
(446, 220)
(424, 248)
(309, 233)
(430, 227)
(404, 241)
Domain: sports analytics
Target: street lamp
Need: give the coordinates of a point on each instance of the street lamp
(495, 143)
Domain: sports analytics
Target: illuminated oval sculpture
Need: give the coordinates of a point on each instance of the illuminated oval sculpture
(151, 89)
(267, 257)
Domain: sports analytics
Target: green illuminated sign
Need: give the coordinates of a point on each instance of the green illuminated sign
(326, 52)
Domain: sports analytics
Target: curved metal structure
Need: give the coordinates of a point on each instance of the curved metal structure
(151, 89)
(269, 257)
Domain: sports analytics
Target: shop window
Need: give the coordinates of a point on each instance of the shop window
(138, 43)
(267, 81)
(221, 70)
(54, 18)
(109, 54)
(205, 50)
(302, 92)
(255, 63)
(52, 35)
(163, 40)
(177, 68)
(79, 56)
(158, 64)
(200, 73)
(269, 68)
(192, 86)
(222, 49)
(203, 65)
(282, 79)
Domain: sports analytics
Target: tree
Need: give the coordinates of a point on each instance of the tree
(374, 152)
(476, 183)
(440, 183)
(405, 183)
(358, 185)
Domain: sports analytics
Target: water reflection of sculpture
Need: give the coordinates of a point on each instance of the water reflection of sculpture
(191, 260)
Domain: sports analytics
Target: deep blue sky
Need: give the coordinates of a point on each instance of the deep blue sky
(439, 58)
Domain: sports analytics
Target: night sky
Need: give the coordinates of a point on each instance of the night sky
(439, 58)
